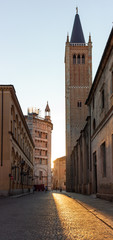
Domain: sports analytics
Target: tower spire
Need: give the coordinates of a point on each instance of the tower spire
(77, 32)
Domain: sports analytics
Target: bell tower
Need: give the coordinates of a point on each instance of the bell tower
(78, 81)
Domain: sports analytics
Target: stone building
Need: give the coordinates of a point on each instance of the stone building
(16, 145)
(41, 129)
(92, 156)
(81, 162)
(100, 102)
(78, 80)
(59, 173)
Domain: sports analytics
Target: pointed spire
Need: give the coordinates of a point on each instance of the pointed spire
(47, 109)
(89, 37)
(67, 37)
(47, 113)
(77, 32)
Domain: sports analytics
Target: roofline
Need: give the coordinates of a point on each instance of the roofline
(101, 66)
(41, 119)
(59, 158)
(13, 92)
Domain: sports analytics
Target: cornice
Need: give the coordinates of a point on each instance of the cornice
(15, 99)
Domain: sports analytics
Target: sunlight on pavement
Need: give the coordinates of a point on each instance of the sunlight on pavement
(59, 201)
(79, 223)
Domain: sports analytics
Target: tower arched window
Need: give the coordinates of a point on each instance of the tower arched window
(74, 59)
(83, 59)
(78, 59)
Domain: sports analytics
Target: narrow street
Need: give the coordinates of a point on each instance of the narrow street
(49, 216)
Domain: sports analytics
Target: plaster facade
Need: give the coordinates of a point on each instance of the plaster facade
(16, 145)
(101, 107)
(59, 173)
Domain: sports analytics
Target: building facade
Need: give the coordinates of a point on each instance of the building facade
(100, 102)
(41, 129)
(81, 162)
(78, 80)
(59, 173)
(16, 145)
(92, 156)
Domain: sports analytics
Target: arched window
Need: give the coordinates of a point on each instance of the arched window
(83, 59)
(78, 59)
(74, 59)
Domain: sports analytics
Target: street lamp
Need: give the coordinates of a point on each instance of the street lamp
(22, 166)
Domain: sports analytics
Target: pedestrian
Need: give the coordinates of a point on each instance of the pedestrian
(45, 188)
(33, 189)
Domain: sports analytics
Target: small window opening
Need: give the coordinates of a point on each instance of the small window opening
(79, 104)
(78, 59)
(93, 102)
(103, 158)
(112, 81)
(94, 124)
(103, 98)
(74, 59)
(83, 59)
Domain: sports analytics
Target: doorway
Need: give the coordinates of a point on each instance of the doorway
(95, 172)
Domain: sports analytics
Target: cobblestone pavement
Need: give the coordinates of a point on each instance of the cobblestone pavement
(102, 209)
(49, 216)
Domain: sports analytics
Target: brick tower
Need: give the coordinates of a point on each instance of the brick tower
(78, 80)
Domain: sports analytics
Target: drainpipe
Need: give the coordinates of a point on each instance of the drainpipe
(2, 129)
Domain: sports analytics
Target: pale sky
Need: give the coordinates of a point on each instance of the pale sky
(32, 49)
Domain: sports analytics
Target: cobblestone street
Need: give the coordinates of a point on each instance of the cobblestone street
(50, 216)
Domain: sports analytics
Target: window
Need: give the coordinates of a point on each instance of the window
(102, 98)
(40, 175)
(93, 102)
(15, 132)
(103, 159)
(94, 124)
(78, 59)
(112, 81)
(39, 134)
(40, 161)
(79, 104)
(11, 126)
(74, 59)
(83, 59)
(112, 153)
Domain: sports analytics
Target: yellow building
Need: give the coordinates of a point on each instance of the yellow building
(16, 145)
(59, 173)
